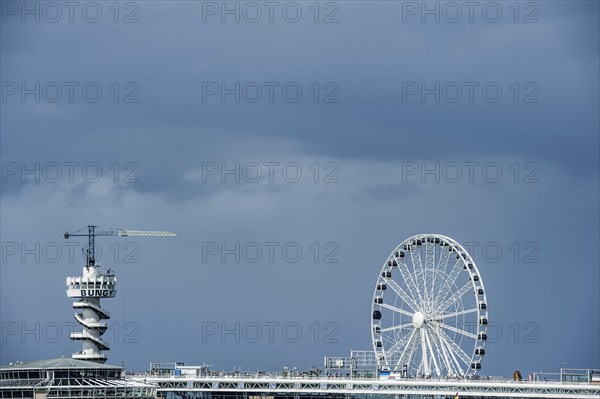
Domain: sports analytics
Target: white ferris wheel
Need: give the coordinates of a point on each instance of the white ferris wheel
(429, 311)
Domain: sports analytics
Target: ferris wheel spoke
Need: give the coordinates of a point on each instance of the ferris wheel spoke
(408, 345)
(424, 351)
(441, 349)
(443, 352)
(432, 353)
(457, 330)
(398, 327)
(447, 284)
(455, 348)
(456, 364)
(440, 270)
(415, 254)
(429, 255)
(430, 267)
(449, 281)
(397, 310)
(408, 351)
(443, 259)
(444, 371)
(413, 350)
(396, 347)
(388, 339)
(402, 294)
(455, 297)
(445, 316)
(410, 281)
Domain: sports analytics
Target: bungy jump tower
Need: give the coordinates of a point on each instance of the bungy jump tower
(93, 285)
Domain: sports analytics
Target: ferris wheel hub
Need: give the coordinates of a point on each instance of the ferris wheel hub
(418, 319)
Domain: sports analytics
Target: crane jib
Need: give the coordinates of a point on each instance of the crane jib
(94, 231)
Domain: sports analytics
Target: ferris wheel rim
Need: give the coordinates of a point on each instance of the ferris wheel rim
(422, 301)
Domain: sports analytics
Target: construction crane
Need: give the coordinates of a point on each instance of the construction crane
(94, 231)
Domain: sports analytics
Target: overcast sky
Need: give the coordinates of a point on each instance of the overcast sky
(350, 124)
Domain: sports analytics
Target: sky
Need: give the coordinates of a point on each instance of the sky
(292, 146)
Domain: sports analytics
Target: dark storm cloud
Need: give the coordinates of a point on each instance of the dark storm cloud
(368, 61)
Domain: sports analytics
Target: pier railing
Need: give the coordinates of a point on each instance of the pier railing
(538, 378)
(317, 386)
